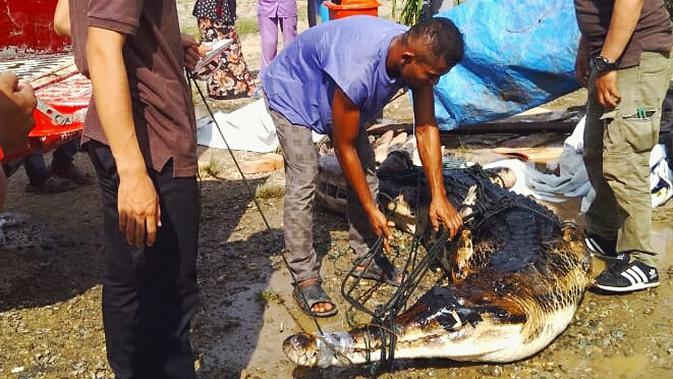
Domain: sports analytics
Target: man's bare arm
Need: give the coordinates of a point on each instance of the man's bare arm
(62, 18)
(138, 205)
(429, 150)
(345, 130)
(625, 16)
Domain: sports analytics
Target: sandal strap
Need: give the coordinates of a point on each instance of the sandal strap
(311, 295)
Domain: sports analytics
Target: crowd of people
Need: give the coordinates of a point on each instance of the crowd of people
(330, 79)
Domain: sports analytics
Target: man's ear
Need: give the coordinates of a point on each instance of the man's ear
(406, 58)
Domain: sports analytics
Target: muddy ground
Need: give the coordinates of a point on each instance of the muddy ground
(50, 294)
(50, 319)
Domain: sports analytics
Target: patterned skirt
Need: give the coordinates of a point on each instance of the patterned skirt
(231, 79)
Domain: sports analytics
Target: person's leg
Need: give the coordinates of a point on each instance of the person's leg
(62, 163)
(301, 172)
(245, 81)
(630, 132)
(64, 155)
(629, 141)
(268, 30)
(36, 169)
(149, 294)
(288, 26)
(231, 78)
(215, 73)
(169, 295)
(120, 303)
(361, 236)
(602, 224)
(39, 179)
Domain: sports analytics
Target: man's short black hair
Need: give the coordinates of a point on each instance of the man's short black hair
(442, 37)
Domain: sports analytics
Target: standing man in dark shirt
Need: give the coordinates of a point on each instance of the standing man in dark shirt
(140, 135)
(625, 59)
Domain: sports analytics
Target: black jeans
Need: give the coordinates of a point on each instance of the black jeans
(36, 168)
(149, 294)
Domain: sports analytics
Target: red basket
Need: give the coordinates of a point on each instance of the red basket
(352, 8)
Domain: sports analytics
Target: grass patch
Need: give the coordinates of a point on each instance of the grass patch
(302, 12)
(270, 191)
(266, 297)
(213, 168)
(247, 26)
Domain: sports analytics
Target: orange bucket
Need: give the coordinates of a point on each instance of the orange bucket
(352, 8)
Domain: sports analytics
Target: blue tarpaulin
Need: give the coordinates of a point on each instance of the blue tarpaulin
(518, 54)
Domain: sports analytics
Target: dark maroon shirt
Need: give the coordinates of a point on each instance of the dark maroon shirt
(162, 105)
(653, 32)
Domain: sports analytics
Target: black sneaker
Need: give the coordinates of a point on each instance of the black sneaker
(600, 247)
(622, 276)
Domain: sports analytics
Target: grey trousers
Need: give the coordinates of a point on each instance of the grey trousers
(301, 175)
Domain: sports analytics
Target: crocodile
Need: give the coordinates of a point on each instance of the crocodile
(515, 279)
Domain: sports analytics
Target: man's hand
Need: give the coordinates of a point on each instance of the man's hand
(204, 49)
(17, 102)
(192, 52)
(443, 212)
(138, 207)
(381, 226)
(607, 93)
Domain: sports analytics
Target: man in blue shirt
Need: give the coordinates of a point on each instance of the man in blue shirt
(333, 79)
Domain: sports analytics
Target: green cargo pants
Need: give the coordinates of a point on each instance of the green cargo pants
(617, 146)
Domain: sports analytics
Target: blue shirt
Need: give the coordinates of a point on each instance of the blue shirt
(348, 53)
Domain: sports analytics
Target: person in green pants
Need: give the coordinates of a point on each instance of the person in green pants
(626, 65)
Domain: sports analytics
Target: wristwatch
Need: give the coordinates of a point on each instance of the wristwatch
(602, 64)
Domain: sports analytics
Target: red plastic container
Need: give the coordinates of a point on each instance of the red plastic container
(352, 8)
(29, 24)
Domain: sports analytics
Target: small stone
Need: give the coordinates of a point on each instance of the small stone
(17, 370)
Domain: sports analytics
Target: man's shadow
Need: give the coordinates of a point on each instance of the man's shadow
(235, 280)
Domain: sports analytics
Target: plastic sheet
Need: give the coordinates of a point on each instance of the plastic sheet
(518, 55)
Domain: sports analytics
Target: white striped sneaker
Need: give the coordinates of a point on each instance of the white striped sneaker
(622, 276)
(600, 247)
